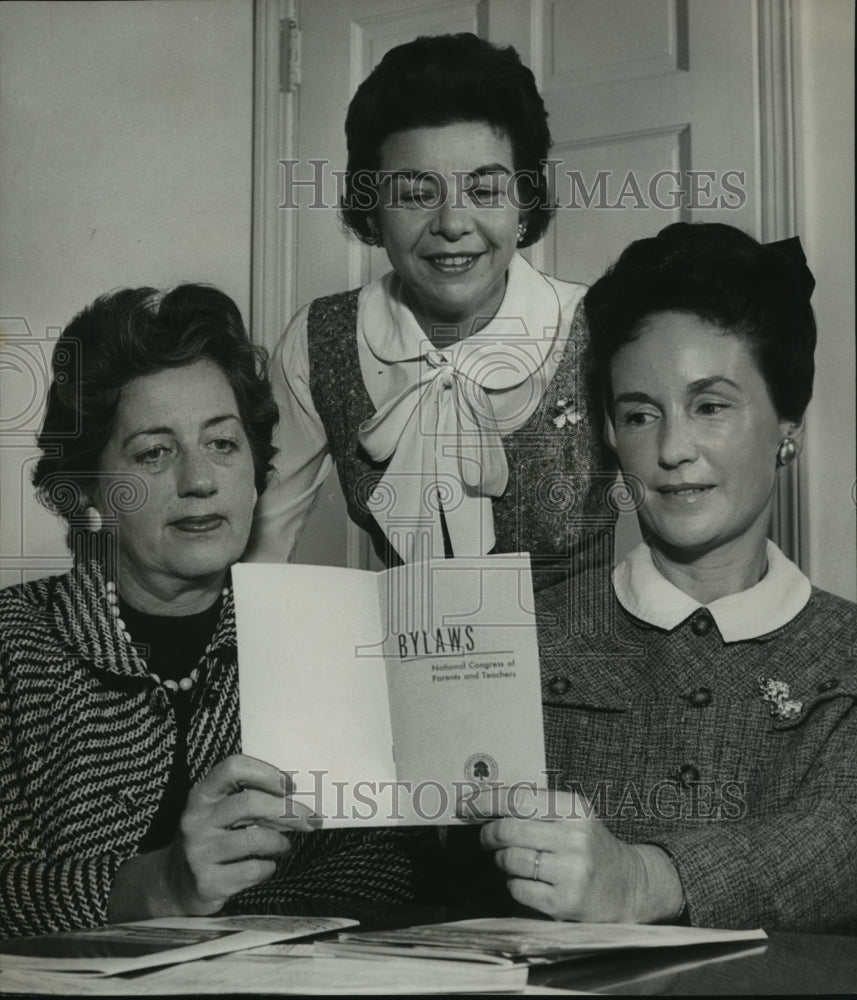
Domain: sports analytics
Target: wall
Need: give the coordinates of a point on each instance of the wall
(125, 159)
(824, 30)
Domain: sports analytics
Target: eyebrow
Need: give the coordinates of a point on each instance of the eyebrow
(699, 385)
(221, 418)
(491, 168)
(632, 397)
(410, 173)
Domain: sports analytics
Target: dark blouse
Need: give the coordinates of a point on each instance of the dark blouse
(173, 647)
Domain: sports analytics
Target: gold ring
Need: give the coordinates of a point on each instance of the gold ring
(536, 862)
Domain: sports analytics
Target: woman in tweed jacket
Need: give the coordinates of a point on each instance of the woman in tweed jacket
(700, 721)
(123, 793)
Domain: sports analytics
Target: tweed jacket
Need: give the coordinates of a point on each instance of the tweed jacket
(667, 733)
(86, 743)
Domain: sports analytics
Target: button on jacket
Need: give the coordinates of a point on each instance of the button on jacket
(732, 746)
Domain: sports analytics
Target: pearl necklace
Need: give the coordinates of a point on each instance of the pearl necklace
(186, 683)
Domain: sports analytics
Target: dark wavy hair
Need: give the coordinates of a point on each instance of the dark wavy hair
(128, 334)
(439, 80)
(757, 292)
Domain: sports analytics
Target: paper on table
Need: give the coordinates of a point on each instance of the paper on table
(143, 944)
(284, 970)
(603, 972)
(388, 696)
(506, 939)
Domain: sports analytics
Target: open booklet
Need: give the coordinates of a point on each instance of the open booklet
(389, 697)
(508, 940)
(145, 944)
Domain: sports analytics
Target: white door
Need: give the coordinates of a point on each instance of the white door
(655, 113)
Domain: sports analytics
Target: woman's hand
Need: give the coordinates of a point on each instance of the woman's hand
(562, 860)
(230, 834)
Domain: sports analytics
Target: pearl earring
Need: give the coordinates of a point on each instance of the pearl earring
(93, 519)
(522, 228)
(787, 452)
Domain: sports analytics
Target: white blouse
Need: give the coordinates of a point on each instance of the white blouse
(440, 413)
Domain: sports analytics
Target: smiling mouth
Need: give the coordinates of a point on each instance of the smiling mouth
(453, 263)
(684, 494)
(198, 525)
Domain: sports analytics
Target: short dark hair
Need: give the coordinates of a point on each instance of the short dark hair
(725, 277)
(438, 80)
(125, 335)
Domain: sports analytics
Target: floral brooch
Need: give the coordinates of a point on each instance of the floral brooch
(568, 415)
(777, 694)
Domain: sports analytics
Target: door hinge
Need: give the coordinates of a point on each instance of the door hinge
(290, 56)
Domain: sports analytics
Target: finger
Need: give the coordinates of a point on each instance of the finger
(538, 835)
(238, 772)
(229, 846)
(224, 881)
(537, 895)
(254, 808)
(252, 842)
(297, 816)
(524, 863)
(249, 872)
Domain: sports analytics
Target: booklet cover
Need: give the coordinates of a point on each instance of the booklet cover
(390, 697)
(144, 944)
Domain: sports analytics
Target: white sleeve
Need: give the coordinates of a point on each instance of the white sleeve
(303, 460)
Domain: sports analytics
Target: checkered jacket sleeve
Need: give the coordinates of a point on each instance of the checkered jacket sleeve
(86, 742)
(38, 892)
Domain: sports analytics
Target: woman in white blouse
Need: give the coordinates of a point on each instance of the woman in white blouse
(451, 393)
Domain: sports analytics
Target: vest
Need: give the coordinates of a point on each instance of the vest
(559, 502)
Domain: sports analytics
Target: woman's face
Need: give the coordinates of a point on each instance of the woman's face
(693, 420)
(448, 219)
(179, 430)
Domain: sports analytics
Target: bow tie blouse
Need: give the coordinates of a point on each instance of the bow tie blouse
(440, 413)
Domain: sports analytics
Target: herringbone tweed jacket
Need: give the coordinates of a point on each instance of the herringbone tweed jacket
(86, 741)
(669, 735)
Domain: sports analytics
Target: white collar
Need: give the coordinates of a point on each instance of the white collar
(445, 426)
(530, 313)
(773, 602)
